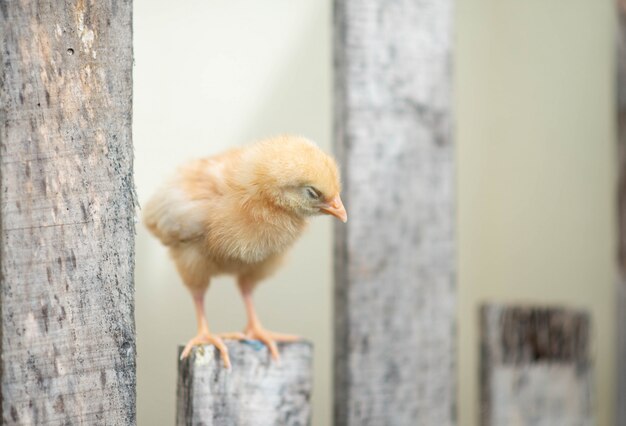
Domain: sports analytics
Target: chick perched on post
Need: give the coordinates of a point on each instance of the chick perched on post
(238, 213)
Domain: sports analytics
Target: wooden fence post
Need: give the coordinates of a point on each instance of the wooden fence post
(255, 392)
(395, 258)
(620, 404)
(535, 367)
(67, 212)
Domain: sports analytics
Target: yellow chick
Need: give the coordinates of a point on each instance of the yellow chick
(237, 213)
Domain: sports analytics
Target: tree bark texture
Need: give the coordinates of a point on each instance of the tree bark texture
(255, 392)
(535, 367)
(395, 258)
(67, 212)
(621, 214)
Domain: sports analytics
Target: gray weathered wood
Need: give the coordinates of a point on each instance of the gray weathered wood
(255, 392)
(395, 258)
(67, 211)
(621, 205)
(535, 367)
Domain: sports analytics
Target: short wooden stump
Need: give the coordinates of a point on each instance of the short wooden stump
(256, 391)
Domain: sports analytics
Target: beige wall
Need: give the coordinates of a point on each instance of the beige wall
(209, 75)
(534, 152)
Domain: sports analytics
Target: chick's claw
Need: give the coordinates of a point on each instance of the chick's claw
(282, 337)
(211, 339)
(235, 335)
(269, 339)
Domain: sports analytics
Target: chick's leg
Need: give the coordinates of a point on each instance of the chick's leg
(254, 329)
(204, 335)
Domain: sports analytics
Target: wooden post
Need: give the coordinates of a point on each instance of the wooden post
(621, 214)
(535, 367)
(255, 392)
(67, 212)
(395, 258)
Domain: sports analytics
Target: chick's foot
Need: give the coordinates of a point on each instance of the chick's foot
(204, 338)
(268, 338)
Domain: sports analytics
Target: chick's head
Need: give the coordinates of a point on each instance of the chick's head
(294, 174)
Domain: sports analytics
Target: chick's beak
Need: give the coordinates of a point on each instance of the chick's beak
(335, 207)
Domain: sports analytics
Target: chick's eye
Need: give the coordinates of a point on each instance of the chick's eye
(312, 193)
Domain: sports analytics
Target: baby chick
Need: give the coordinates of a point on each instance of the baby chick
(237, 213)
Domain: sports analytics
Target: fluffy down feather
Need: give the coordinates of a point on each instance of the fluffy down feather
(239, 211)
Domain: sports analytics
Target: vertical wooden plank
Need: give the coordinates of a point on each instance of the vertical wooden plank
(67, 212)
(535, 367)
(255, 392)
(395, 259)
(621, 214)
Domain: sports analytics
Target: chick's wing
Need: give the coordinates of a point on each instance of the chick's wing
(177, 212)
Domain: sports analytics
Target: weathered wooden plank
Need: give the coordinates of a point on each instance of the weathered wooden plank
(621, 214)
(67, 212)
(255, 392)
(535, 367)
(395, 259)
